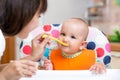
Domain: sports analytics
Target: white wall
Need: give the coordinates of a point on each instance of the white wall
(60, 10)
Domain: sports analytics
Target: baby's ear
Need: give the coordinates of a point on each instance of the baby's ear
(83, 45)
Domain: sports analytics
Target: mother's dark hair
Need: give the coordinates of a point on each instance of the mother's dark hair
(15, 14)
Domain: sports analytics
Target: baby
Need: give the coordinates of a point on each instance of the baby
(75, 56)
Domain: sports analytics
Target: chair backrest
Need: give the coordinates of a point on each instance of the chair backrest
(96, 41)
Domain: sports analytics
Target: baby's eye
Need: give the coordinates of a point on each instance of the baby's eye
(73, 37)
(63, 34)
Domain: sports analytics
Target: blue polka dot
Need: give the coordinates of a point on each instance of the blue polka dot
(21, 44)
(46, 53)
(56, 25)
(91, 45)
(107, 59)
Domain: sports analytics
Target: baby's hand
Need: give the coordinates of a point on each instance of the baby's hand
(98, 68)
(48, 65)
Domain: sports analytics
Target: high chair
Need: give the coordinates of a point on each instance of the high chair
(97, 41)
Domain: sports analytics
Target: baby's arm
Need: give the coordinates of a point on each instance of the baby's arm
(98, 67)
(48, 65)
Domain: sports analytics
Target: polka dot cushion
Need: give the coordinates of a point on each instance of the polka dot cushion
(96, 41)
(25, 45)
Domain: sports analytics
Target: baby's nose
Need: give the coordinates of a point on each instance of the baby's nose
(66, 39)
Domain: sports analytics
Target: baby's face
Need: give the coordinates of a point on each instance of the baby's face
(73, 35)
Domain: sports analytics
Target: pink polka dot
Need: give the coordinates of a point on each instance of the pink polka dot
(27, 49)
(55, 33)
(100, 52)
(47, 28)
(107, 47)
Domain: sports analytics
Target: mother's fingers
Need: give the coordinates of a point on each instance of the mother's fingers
(26, 73)
(39, 41)
(28, 68)
(29, 63)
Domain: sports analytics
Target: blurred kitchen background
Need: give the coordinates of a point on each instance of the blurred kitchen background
(102, 14)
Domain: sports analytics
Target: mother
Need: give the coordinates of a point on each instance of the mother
(18, 18)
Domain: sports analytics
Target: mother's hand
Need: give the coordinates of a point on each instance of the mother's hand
(19, 68)
(38, 47)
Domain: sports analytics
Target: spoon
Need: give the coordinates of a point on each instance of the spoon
(44, 36)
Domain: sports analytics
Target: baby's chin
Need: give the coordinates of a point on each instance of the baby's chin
(66, 51)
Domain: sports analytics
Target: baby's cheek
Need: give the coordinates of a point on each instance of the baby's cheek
(75, 48)
(61, 39)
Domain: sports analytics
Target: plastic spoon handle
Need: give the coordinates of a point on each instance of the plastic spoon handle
(44, 36)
